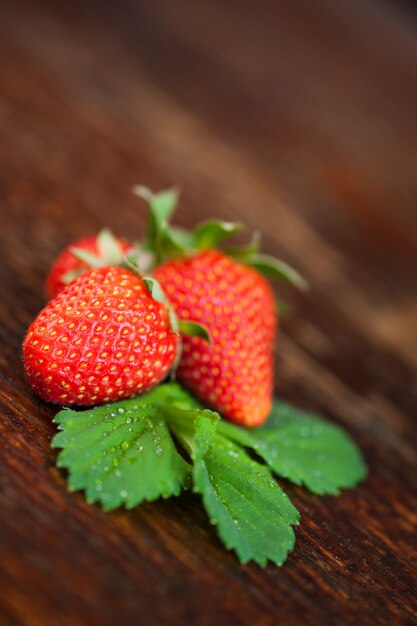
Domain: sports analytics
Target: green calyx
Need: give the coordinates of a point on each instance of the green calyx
(165, 242)
(109, 253)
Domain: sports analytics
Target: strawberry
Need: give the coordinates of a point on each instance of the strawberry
(230, 298)
(95, 251)
(103, 338)
(233, 375)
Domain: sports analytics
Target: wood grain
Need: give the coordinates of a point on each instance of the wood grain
(298, 118)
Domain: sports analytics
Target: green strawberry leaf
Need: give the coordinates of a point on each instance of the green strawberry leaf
(175, 243)
(108, 248)
(121, 453)
(252, 513)
(194, 329)
(209, 234)
(161, 206)
(109, 252)
(184, 238)
(304, 449)
(71, 275)
(139, 260)
(270, 266)
(154, 287)
(92, 260)
(241, 253)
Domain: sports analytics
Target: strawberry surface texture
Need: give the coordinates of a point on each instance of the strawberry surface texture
(234, 374)
(67, 263)
(103, 338)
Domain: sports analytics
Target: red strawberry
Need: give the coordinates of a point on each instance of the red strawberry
(95, 251)
(233, 375)
(101, 339)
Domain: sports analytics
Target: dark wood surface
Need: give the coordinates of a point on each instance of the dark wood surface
(295, 117)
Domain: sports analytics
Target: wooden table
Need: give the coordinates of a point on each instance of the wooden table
(298, 118)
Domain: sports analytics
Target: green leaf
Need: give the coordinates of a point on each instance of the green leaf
(92, 260)
(154, 287)
(270, 266)
(121, 453)
(158, 294)
(209, 234)
(184, 238)
(108, 248)
(162, 203)
(70, 276)
(265, 264)
(241, 253)
(182, 414)
(252, 513)
(174, 394)
(109, 253)
(174, 243)
(139, 260)
(304, 449)
(194, 329)
(161, 207)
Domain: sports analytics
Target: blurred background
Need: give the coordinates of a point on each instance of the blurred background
(298, 119)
